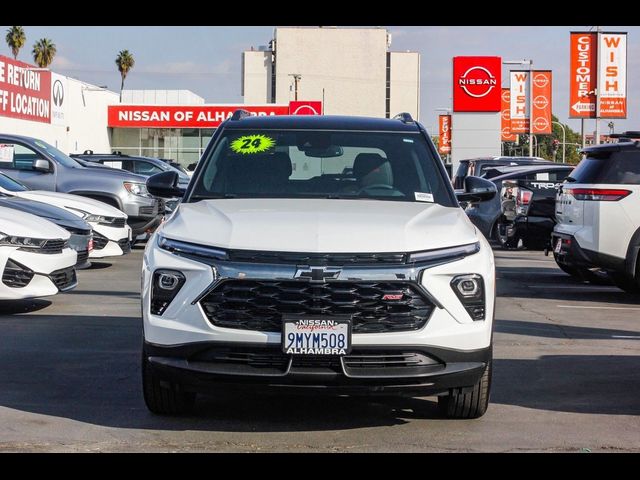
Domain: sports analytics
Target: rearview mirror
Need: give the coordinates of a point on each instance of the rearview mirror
(477, 189)
(40, 165)
(165, 185)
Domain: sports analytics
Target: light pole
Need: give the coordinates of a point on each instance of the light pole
(530, 94)
(564, 138)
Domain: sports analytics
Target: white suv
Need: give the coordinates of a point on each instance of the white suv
(321, 254)
(598, 214)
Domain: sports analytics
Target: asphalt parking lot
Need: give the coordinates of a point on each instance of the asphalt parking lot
(566, 378)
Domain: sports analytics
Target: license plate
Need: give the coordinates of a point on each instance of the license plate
(558, 247)
(316, 335)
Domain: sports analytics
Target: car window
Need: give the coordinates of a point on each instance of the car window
(611, 167)
(322, 164)
(145, 168)
(15, 156)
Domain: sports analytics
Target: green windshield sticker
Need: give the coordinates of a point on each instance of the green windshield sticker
(252, 144)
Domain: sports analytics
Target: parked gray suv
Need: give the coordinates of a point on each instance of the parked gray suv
(42, 166)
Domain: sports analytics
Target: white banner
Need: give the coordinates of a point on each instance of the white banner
(612, 75)
(58, 99)
(519, 86)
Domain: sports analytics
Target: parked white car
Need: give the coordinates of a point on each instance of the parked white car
(319, 254)
(35, 257)
(111, 234)
(598, 213)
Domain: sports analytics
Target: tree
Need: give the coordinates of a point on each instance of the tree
(125, 63)
(16, 40)
(43, 52)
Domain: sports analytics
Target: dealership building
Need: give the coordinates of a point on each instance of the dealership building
(347, 71)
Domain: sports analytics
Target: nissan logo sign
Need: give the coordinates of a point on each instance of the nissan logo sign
(57, 93)
(477, 82)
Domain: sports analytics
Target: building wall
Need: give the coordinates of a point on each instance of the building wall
(348, 63)
(161, 97)
(474, 134)
(256, 76)
(85, 124)
(405, 83)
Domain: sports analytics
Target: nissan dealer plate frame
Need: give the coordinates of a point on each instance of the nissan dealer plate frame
(316, 334)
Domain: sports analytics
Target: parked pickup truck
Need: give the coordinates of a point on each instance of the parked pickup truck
(528, 212)
(41, 166)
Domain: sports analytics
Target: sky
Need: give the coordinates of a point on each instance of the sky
(207, 60)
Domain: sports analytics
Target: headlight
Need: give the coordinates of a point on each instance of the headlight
(445, 254)
(90, 217)
(190, 249)
(135, 188)
(22, 242)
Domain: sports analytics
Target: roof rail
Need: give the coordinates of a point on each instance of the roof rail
(404, 117)
(240, 114)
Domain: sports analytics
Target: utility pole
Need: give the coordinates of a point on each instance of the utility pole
(531, 107)
(598, 87)
(564, 139)
(296, 79)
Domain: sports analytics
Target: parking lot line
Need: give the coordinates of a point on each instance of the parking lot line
(598, 308)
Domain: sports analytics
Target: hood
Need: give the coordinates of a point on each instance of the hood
(64, 200)
(57, 215)
(320, 225)
(114, 172)
(14, 222)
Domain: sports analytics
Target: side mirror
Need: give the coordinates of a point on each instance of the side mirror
(165, 185)
(477, 189)
(41, 165)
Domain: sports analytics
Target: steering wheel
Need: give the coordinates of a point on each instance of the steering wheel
(376, 185)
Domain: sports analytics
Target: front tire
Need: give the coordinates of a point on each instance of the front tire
(468, 404)
(161, 397)
(625, 283)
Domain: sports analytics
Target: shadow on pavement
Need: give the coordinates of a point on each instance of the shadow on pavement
(554, 330)
(98, 265)
(597, 384)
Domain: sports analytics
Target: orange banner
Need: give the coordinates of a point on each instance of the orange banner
(505, 115)
(444, 144)
(583, 75)
(541, 111)
(519, 101)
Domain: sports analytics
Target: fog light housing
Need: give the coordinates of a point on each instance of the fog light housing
(470, 291)
(164, 288)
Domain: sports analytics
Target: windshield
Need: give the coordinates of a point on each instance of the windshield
(10, 184)
(322, 164)
(61, 158)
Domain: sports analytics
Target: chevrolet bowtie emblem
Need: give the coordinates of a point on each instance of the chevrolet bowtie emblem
(319, 274)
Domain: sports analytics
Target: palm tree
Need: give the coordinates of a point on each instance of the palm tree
(125, 63)
(43, 52)
(16, 40)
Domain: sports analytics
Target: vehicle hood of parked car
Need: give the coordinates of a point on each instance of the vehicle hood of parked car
(21, 224)
(57, 215)
(320, 225)
(67, 200)
(114, 172)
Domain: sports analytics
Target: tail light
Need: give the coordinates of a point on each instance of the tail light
(523, 200)
(598, 194)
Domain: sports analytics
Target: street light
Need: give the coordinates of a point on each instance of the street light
(530, 64)
(564, 138)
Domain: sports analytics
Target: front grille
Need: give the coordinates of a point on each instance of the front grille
(63, 278)
(260, 304)
(125, 245)
(54, 246)
(16, 275)
(391, 359)
(83, 256)
(332, 259)
(264, 358)
(99, 241)
(118, 222)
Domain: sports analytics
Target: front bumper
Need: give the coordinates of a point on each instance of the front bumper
(51, 273)
(205, 366)
(111, 241)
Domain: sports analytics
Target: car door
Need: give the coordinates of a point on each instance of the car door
(16, 160)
